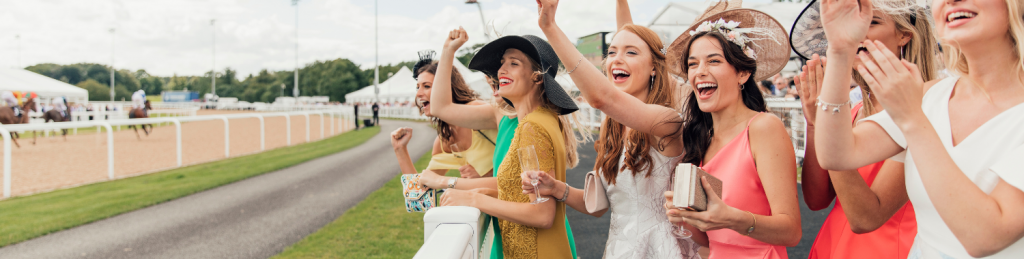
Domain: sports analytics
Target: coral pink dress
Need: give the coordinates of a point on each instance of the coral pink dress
(891, 240)
(741, 189)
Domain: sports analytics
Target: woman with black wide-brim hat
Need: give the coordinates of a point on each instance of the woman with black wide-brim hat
(525, 67)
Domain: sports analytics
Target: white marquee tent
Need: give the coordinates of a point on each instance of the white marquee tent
(401, 87)
(15, 79)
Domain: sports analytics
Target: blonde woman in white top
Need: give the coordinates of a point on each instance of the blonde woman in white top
(962, 138)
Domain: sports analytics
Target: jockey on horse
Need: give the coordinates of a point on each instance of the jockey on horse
(140, 106)
(16, 112)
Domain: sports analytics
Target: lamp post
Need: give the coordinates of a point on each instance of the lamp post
(213, 71)
(484, 22)
(295, 91)
(376, 61)
(112, 71)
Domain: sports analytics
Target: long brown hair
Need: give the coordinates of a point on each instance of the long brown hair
(461, 94)
(698, 128)
(638, 145)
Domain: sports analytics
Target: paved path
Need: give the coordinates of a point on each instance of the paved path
(591, 233)
(253, 218)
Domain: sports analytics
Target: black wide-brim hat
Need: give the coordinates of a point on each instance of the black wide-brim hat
(488, 60)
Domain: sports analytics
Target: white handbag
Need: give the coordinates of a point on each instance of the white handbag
(594, 196)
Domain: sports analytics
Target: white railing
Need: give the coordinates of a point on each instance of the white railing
(338, 118)
(453, 232)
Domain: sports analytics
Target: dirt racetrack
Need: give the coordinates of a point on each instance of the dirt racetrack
(54, 163)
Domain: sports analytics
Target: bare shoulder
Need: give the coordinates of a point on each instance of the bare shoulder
(767, 125)
(478, 102)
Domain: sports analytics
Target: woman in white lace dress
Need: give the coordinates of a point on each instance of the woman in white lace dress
(635, 156)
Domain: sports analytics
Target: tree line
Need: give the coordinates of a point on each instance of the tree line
(332, 78)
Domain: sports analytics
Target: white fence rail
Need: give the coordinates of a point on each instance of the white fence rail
(453, 233)
(338, 118)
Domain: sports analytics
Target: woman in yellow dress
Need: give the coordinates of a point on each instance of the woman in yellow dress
(525, 67)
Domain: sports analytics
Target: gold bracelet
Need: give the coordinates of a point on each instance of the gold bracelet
(751, 228)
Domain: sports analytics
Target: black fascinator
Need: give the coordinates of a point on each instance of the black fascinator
(426, 57)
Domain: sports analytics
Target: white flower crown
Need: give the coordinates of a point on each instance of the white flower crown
(732, 32)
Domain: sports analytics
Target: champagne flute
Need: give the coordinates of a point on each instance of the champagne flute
(679, 232)
(458, 154)
(531, 165)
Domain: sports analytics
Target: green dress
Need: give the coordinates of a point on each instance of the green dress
(507, 130)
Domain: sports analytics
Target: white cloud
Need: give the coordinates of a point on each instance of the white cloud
(174, 36)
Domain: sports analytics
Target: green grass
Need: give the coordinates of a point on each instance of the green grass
(28, 217)
(378, 227)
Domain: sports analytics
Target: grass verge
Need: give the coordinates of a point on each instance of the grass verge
(377, 227)
(28, 217)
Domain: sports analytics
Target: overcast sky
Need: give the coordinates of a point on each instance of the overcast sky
(166, 37)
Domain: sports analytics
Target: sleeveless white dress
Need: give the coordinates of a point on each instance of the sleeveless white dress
(639, 226)
(993, 151)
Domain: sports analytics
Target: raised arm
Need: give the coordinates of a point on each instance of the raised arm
(815, 182)
(595, 87)
(441, 104)
(622, 15)
(840, 145)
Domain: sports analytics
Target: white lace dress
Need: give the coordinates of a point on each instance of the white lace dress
(639, 226)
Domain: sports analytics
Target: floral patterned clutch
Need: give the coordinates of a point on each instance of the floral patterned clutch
(418, 198)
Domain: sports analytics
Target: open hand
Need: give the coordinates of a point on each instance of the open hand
(846, 23)
(896, 83)
(546, 11)
(718, 216)
(400, 137)
(455, 39)
(809, 84)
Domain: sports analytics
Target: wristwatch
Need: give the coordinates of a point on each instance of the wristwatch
(451, 182)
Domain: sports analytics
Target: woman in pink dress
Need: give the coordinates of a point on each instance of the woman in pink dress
(757, 214)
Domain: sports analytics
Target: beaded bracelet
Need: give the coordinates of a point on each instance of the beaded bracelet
(835, 107)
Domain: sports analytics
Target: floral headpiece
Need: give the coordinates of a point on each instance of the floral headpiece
(732, 32)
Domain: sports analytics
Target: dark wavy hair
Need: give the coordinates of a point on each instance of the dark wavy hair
(461, 94)
(698, 128)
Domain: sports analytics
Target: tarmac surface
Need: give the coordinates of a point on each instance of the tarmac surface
(253, 218)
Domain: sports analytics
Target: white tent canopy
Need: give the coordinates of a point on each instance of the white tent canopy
(401, 86)
(14, 79)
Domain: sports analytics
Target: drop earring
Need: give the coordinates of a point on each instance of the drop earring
(651, 85)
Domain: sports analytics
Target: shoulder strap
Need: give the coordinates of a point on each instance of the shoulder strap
(485, 137)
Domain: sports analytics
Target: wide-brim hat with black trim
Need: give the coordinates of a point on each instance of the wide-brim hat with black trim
(808, 33)
(766, 40)
(488, 60)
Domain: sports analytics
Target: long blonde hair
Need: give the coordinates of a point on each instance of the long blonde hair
(920, 50)
(957, 63)
(574, 132)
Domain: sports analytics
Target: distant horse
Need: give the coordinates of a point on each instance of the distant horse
(8, 116)
(139, 113)
(56, 116)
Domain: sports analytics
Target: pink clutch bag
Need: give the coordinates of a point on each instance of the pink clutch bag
(594, 196)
